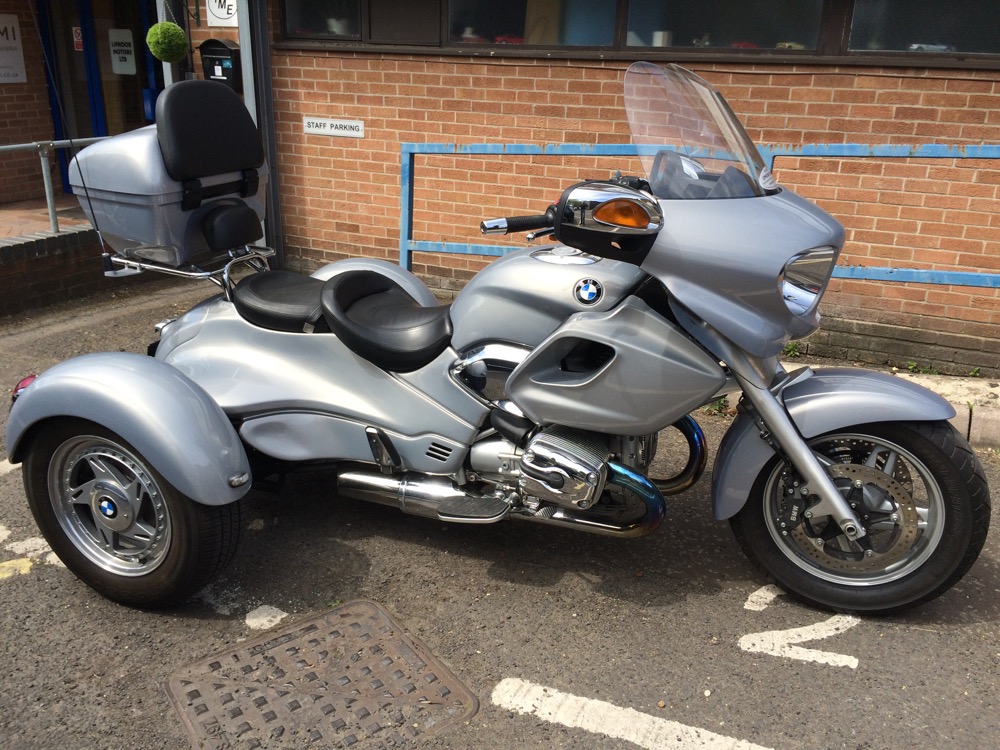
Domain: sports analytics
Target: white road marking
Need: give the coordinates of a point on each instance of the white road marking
(265, 617)
(606, 718)
(781, 642)
(32, 547)
(6, 467)
(759, 599)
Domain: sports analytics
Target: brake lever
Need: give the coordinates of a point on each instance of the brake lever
(540, 233)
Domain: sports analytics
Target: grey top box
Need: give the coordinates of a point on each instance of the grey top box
(124, 189)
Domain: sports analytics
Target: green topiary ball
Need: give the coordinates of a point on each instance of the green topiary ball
(168, 42)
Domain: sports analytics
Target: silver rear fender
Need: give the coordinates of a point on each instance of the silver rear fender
(162, 413)
(817, 403)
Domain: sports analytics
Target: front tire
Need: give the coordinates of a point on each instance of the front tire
(116, 523)
(918, 489)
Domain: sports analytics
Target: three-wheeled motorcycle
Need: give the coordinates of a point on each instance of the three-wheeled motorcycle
(538, 394)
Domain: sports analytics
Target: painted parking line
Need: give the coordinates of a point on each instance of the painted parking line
(614, 721)
(11, 568)
(265, 617)
(782, 642)
(32, 548)
(6, 467)
(759, 600)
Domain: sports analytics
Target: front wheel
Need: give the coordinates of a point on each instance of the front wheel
(921, 495)
(117, 523)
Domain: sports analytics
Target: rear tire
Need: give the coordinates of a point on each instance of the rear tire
(116, 523)
(921, 494)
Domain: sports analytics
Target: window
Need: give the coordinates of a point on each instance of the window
(335, 19)
(728, 24)
(536, 22)
(922, 26)
(404, 22)
(911, 32)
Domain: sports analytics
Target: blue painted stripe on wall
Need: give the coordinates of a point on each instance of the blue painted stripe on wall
(919, 276)
(459, 248)
(768, 152)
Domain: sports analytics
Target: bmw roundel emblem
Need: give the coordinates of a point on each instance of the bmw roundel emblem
(108, 509)
(588, 291)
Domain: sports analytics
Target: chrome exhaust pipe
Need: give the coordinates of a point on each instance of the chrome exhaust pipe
(623, 477)
(697, 459)
(412, 493)
(421, 495)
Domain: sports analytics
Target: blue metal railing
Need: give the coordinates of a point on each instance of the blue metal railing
(407, 245)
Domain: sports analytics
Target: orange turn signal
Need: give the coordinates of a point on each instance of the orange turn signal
(622, 212)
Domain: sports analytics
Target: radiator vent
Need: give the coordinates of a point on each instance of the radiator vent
(439, 452)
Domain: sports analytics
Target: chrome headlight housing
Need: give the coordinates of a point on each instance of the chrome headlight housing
(804, 278)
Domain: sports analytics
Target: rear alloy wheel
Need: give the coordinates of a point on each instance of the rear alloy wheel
(117, 523)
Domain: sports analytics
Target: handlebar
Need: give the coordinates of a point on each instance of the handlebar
(515, 224)
(511, 224)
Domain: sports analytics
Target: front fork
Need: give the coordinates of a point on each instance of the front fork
(778, 427)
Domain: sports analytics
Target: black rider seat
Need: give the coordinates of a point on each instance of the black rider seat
(281, 301)
(376, 318)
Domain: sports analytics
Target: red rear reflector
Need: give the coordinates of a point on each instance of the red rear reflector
(22, 386)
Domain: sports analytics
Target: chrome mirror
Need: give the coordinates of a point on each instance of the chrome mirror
(609, 219)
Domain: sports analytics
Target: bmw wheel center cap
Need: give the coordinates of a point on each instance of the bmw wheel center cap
(588, 291)
(108, 508)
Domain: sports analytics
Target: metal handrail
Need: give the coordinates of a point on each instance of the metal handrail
(43, 148)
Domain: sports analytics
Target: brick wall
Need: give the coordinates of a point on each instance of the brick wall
(44, 268)
(24, 114)
(941, 214)
(340, 197)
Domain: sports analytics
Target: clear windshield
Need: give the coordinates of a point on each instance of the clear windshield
(690, 143)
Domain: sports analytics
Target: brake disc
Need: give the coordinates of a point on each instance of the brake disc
(889, 544)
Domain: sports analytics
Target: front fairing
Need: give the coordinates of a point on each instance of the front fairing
(722, 261)
(729, 230)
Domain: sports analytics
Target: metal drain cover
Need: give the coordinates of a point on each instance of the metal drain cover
(348, 678)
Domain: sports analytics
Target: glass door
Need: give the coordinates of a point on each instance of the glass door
(123, 63)
(105, 81)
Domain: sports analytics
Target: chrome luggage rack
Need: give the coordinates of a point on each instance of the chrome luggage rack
(254, 256)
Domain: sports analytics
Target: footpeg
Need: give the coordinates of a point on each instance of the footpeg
(470, 509)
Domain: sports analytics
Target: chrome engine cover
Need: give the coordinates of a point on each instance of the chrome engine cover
(565, 466)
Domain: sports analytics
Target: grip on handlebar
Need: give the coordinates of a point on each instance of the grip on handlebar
(528, 223)
(516, 224)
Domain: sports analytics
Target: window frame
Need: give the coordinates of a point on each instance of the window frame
(832, 46)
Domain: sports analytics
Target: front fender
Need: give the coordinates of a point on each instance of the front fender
(161, 412)
(829, 399)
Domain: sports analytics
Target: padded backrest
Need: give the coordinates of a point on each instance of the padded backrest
(204, 129)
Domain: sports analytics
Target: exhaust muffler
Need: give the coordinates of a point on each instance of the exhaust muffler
(422, 495)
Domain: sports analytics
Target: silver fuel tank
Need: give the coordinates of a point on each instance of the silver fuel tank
(526, 295)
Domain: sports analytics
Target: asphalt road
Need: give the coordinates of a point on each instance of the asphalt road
(652, 636)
